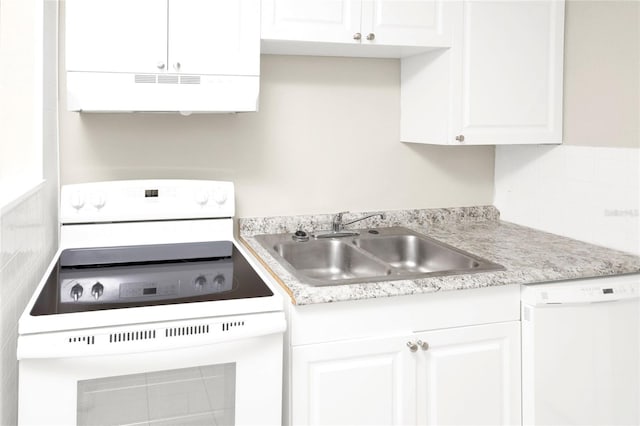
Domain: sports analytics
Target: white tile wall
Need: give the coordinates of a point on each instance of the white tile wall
(587, 193)
(27, 242)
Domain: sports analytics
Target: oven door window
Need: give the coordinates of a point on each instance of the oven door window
(186, 396)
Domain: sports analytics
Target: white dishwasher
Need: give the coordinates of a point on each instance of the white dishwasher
(581, 352)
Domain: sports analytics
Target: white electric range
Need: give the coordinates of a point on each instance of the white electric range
(151, 313)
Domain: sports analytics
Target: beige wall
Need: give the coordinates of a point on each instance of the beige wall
(602, 73)
(326, 139)
(20, 105)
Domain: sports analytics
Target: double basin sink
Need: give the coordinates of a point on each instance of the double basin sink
(374, 255)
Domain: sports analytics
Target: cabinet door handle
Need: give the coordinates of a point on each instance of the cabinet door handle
(371, 36)
(176, 66)
(160, 65)
(423, 345)
(357, 36)
(412, 346)
(460, 138)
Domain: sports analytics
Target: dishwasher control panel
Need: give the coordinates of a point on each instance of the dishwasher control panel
(583, 291)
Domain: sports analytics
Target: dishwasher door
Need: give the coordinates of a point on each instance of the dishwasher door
(581, 352)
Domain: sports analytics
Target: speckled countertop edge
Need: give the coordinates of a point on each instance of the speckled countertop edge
(529, 255)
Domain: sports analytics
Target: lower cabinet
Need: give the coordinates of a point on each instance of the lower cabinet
(465, 375)
(357, 382)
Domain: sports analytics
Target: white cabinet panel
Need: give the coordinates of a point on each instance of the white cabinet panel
(511, 66)
(335, 21)
(477, 368)
(214, 37)
(406, 22)
(370, 28)
(466, 375)
(116, 35)
(499, 83)
(358, 382)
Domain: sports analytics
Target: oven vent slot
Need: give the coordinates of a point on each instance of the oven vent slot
(186, 331)
(168, 79)
(132, 336)
(145, 78)
(228, 325)
(89, 340)
(190, 79)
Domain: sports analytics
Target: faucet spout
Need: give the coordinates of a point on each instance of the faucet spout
(338, 225)
(380, 215)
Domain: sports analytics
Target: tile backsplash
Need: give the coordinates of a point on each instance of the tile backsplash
(587, 193)
(28, 238)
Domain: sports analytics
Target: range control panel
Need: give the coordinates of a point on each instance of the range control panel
(135, 200)
(129, 284)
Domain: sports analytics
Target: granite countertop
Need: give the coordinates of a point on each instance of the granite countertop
(529, 255)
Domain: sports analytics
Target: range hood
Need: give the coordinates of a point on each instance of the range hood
(131, 92)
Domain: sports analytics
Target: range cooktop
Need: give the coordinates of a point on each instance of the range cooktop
(89, 279)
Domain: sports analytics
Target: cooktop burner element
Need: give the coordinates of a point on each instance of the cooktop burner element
(130, 276)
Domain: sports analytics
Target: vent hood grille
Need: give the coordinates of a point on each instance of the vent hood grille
(126, 92)
(166, 79)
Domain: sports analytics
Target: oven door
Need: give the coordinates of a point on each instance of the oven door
(237, 382)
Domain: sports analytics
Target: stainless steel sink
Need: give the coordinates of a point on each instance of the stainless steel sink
(414, 254)
(381, 254)
(330, 260)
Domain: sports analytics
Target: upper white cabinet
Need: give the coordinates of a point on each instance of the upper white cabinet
(499, 83)
(213, 37)
(333, 21)
(163, 55)
(116, 35)
(405, 23)
(392, 28)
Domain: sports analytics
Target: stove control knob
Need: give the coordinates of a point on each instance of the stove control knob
(218, 282)
(200, 281)
(76, 292)
(98, 201)
(220, 197)
(77, 200)
(97, 290)
(202, 197)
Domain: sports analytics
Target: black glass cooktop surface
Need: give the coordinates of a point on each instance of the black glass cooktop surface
(90, 279)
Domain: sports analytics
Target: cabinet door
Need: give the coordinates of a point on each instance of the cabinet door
(214, 37)
(470, 375)
(509, 57)
(116, 35)
(334, 21)
(363, 382)
(405, 23)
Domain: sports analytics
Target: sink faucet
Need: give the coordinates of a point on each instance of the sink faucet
(338, 225)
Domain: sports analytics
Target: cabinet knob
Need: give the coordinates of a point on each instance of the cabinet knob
(423, 345)
(412, 346)
(176, 66)
(357, 36)
(371, 36)
(160, 65)
(460, 138)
